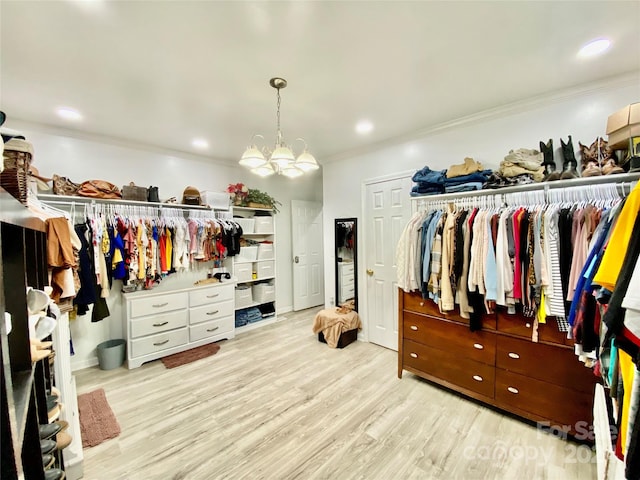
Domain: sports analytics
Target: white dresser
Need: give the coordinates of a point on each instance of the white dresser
(162, 323)
(346, 281)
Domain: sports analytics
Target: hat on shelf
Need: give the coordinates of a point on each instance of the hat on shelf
(191, 196)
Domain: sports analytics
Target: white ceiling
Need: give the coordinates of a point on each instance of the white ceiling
(162, 73)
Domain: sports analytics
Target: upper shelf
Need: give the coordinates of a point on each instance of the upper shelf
(15, 213)
(65, 199)
(251, 209)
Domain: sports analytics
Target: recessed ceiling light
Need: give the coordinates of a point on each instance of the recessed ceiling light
(200, 143)
(594, 47)
(364, 126)
(69, 114)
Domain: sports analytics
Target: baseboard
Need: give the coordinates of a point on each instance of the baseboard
(87, 363)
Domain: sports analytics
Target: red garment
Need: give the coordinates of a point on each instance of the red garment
(517, 267)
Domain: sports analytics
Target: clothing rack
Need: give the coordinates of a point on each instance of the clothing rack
(542, 192)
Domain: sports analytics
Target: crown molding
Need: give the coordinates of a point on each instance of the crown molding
(627, 80)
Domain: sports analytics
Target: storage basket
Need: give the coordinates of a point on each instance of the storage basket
(246, 224)
(14, 176)
(264, 292)
(248, 254)
(263, 225)
(243, 296)
(265, 251)
(131, 192)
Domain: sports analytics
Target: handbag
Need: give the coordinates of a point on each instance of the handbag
(153, 195)
(64, 186)
(99, 189)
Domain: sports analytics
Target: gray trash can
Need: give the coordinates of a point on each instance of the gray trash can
(111, 354)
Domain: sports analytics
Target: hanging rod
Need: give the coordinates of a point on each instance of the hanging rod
(544, 186)
(69, 200)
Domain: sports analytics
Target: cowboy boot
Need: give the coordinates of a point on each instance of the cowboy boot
(590, 161)
(609, 160)
(569, 164)
(549, 164)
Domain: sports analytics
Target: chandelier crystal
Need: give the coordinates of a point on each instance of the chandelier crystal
(281, 159)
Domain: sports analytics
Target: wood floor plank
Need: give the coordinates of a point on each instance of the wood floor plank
(274, 403)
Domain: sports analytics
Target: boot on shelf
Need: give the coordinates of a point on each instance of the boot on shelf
(569, 164)
(550, 173)
(591, 166)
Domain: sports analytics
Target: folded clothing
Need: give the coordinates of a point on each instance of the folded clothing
(509, 169)
(428, 176)
(426, 189)
(247, 315)
(525, 158)
(463, 187)
(473, 177)
(469, 166)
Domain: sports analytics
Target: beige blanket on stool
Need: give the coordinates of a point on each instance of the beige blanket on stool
(332, 323)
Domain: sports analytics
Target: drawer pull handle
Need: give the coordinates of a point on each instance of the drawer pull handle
(413, 355)
(513, 390)
(160, 324)
(213, 296)
(158, 305)
(479, 346)
(161, 343)
(213, 313)
(212, 329)
(414, 327)
(422, 304)
(477, 378)
(528, 325)
(514, 355)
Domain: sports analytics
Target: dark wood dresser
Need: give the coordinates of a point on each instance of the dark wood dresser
(499, 365)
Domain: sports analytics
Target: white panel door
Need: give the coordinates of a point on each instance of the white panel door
(308, 264)
(387, 210)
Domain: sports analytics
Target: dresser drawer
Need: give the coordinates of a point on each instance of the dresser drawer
(210, 295)
(548, 332)
(458, 339)
(347, 280)
(556, 365)
(158, 323)
(515, 324)
(413, 302)
(345, 268)
(161, 341)
(555, 403)
(210, 329)
(158, 304)
(475, 376)
(211, 312)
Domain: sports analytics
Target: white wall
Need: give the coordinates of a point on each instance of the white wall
(487, 137)
(82, 157)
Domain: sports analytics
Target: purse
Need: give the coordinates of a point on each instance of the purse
(64, 186)
(99, 189)
(153, 195)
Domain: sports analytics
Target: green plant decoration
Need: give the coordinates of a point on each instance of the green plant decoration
(257, 197)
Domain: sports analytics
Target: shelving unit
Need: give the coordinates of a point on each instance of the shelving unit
(22, 392)
(254, 267)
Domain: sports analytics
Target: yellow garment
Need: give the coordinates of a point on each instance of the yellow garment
(468, 167)
(627, 368)
(611, 264)
(169, 249)
(542, 313)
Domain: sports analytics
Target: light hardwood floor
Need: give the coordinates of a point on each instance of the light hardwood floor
(274, 403)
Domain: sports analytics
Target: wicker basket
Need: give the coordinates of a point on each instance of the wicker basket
(14, 176)
(131, 192)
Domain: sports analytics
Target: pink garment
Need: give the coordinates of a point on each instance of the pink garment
(517, 275)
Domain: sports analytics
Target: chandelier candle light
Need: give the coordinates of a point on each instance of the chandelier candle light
(281, 160)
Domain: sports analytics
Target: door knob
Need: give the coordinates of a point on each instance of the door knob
(296, 259)
(369, 272)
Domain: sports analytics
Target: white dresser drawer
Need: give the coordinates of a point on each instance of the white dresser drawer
(209, 329)
(210, 295)
(158, 323)
(345, 293)
(266, 269)
(161, 341)
(347, 280)
(210, 312)
(345, 268)
(158, 304)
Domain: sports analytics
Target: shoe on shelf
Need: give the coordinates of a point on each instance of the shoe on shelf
(569, 164)
(550, 173)
(47, 446)
(54, 474)
(54, 413)
(49, 430)
(63, 425)
(63, 440)
(48, 460)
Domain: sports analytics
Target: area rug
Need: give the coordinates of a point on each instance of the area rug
(189, 356)
(97, 421)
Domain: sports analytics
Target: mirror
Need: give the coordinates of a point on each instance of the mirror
(346, 230)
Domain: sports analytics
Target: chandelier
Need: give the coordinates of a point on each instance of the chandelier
(281, 159)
